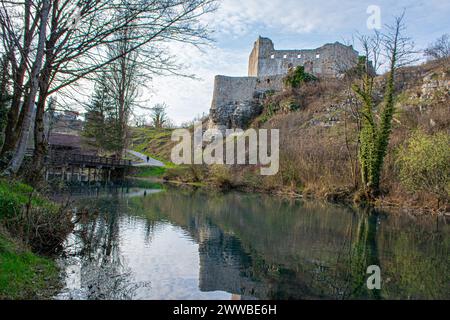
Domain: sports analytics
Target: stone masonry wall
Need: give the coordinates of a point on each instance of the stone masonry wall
(327, 61)
(236, 100)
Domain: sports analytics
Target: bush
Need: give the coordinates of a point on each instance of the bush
(33, 220)
(193, 174)
(221, 176)
(424, 164)
(296, 77)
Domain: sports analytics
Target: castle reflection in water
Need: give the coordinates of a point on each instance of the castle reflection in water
(183, 244)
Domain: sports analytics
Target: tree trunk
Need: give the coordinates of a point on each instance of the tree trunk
(40, 134)
(40, 140)
(29, 107)
(13, 128)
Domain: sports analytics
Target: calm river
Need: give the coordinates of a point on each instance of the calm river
(184, 244)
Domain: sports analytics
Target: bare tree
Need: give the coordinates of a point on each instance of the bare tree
(76, 47)
(4, 94)
(140, 121)
(439, 49)
(18, 32)
(123, 77)
(159, 115)
(32, 87)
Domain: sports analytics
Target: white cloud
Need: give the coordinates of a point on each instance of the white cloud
(187, 97)
(238, 17)
(295, 24)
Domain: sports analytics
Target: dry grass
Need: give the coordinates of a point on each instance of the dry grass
(319, 140)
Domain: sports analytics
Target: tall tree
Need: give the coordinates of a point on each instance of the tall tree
(123, 78)
(78, 33)
(18, 33)
(375, 134)
(103, 124)
(5, 95)
(97, 115)
(28, 105)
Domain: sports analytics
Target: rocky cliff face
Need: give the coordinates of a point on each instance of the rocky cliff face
(236, 114)
(238, 100)
(435, 83)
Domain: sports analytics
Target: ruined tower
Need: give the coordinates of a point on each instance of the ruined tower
(330, 60)
(262, 50)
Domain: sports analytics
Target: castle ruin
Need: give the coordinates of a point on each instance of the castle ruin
(236, 99)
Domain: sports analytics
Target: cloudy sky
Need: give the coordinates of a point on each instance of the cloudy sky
(291, 24)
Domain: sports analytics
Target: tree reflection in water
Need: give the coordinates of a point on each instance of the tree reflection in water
(256, 246)
(102, 275)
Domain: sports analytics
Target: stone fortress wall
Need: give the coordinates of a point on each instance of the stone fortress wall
(235, 99)
(329, 60)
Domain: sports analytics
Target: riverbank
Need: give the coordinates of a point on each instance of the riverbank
(25, 275)
(319, 126)
(32, 229)
(201, 177)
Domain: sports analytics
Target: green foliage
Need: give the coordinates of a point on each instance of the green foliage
(153, 142)
(148, 172)
(24, 275)
(14, 196)
(103, 128)
(359, 70)
(424, 164)
(296, 77)
(374, 136)
(269, 93)
(289, 105)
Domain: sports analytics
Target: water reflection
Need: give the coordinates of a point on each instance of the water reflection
(181, 244)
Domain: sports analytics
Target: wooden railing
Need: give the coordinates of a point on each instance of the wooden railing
(63, 158)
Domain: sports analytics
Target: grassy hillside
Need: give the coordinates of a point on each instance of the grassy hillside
(31, 228)
(319, 123)
(153, 142)
(319, 142)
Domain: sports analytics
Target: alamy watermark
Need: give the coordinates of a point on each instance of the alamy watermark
(374, 280)
(228, 147)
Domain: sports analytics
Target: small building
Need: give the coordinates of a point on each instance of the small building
(59, 142)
